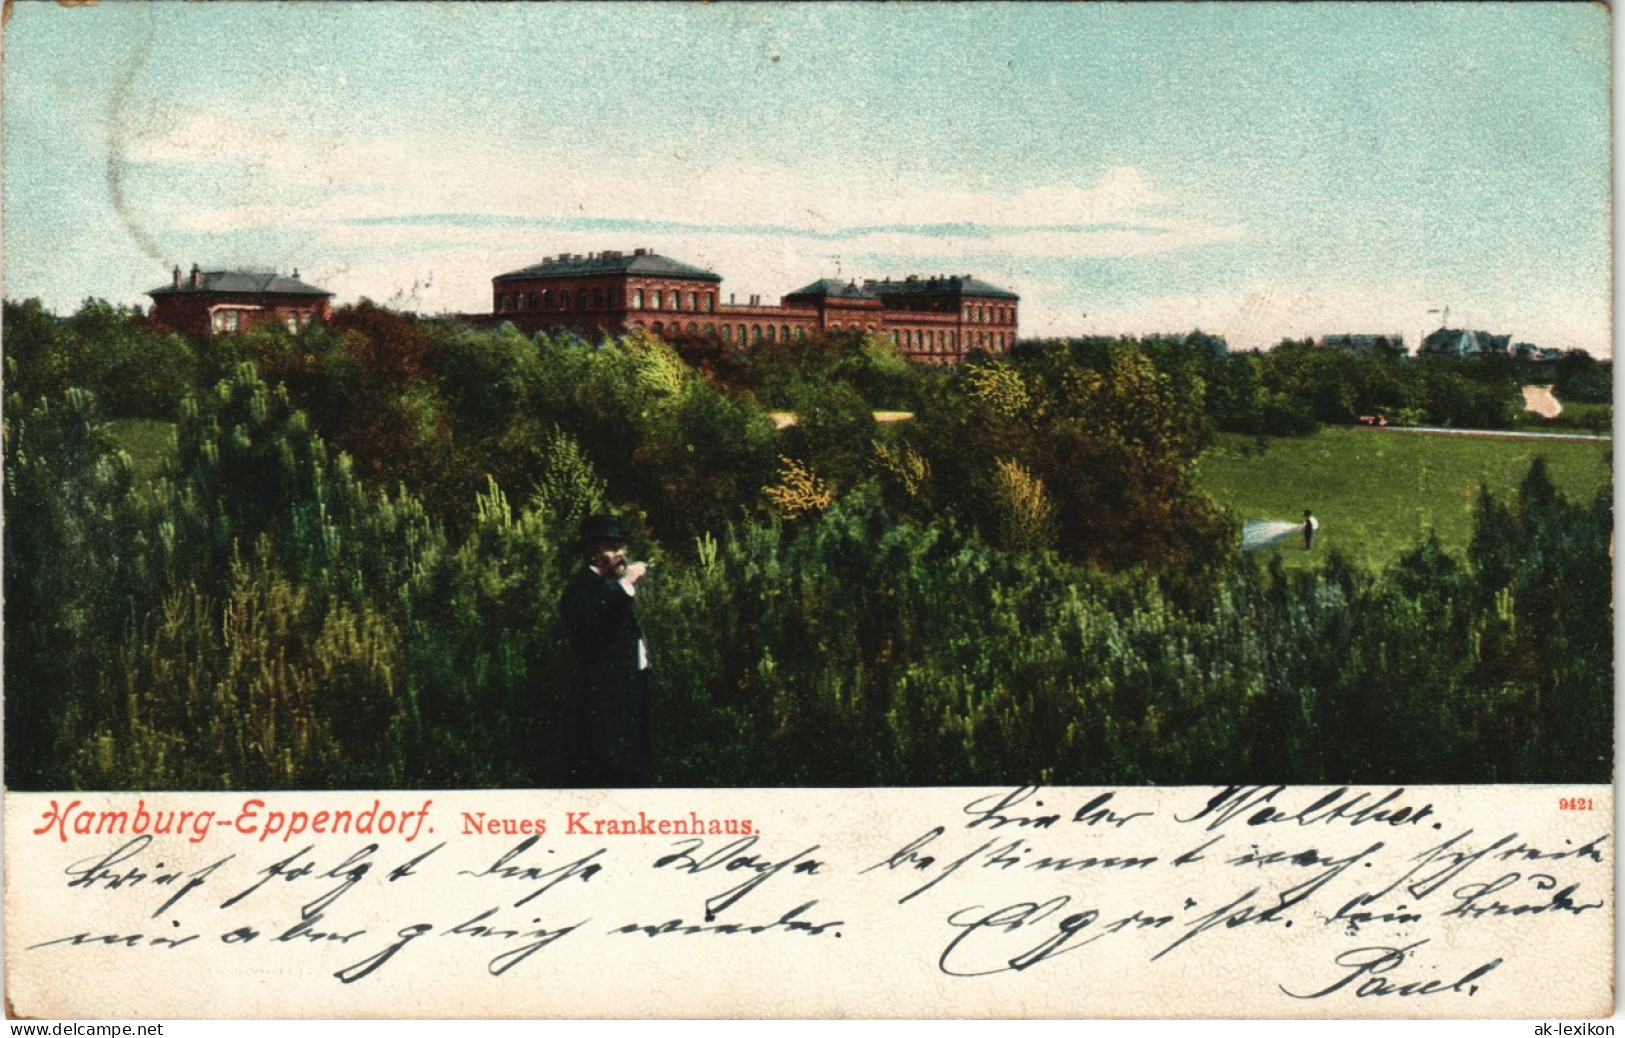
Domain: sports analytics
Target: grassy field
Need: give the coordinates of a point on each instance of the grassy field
(1581, 418)
(148, 441)
(1377, 493)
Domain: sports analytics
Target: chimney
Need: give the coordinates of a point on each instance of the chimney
(640, 252)
(197, 276)
(296, 273)
(177, 275)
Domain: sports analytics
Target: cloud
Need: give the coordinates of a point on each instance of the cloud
(352, 189)
(206, 136)
(394, 218)
(1060, 242)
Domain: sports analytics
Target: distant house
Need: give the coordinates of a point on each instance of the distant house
(1363, 344)
(226, 301)
(1463, 344)
(1529, 351)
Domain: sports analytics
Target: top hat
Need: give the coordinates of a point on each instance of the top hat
(597, 528)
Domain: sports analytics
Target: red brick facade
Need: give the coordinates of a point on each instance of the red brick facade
(933, 320)
(226, 302)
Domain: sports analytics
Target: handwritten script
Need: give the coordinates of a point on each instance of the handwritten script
(1262, 900)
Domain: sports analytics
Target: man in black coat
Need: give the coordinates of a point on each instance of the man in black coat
(610, 744)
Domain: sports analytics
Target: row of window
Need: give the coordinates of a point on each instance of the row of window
(658, 299)
(924, 341)
(940, 340)
(741, 334)
(226, 321)
(546, 300)
(990, 314)
(673, 300)
(599, 299)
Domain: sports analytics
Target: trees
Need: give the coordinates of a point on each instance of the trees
(74, 578)
(1019, 585)
(1546, 646)
(1111, 440)
(108, 350)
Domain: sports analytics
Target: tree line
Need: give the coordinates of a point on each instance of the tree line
(348, 572)
(1298, 386)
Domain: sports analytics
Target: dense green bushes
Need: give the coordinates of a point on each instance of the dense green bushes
(863, 651)
(108, 350)
(1020, 585)
(334, 638)
(73, 580)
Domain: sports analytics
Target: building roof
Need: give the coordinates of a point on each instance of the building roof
(1445, 340)
(826, 288)
(642, 262)
(1461, 342)
(1364, 343)
(243, 282)
(955, 286)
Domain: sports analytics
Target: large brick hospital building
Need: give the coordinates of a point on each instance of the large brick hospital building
(933, 319)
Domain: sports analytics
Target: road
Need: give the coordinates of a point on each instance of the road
(1435, 430)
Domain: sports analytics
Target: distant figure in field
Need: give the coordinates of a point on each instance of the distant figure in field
(1310, 525)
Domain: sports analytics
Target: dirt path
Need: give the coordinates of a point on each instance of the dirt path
(785, 419)
(1540, 400)
(1505, 434)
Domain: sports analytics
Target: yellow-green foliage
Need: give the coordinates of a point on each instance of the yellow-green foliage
(799, 491)
(659, 370)
(253, 692)
(882, 354)
(903, 467)
(568, 489)
(997, 389)
(1138, 405)
(1026, 515)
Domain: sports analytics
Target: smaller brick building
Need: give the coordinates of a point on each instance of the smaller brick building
(226, 301)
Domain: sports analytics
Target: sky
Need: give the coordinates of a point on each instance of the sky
(1259, 171)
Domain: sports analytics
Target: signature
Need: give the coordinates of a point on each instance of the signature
(1374, 968)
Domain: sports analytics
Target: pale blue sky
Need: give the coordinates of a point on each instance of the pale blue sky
(1256, 170)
